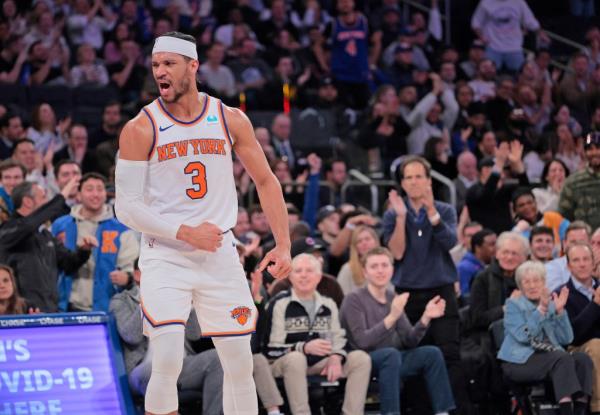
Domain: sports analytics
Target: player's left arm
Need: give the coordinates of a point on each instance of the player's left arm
(269, 190)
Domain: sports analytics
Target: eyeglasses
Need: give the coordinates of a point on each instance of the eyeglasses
(592, 139)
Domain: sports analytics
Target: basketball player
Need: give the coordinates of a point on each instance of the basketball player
(174, 183)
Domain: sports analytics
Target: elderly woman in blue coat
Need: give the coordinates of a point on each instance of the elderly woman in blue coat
(537, 330)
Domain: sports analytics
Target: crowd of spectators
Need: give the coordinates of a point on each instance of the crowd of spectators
(371, 292)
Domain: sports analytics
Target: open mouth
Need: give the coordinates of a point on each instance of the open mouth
(164, 87)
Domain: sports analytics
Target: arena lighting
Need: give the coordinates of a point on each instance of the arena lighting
(68, 364)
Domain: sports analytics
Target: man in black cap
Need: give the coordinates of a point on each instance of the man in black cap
(401, 71)
(580, 196)
(489, 199)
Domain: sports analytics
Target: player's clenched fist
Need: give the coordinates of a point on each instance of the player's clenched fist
(278, 262)
(205, 236)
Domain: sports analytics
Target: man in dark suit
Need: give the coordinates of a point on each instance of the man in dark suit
(583, 308)
(77, 149)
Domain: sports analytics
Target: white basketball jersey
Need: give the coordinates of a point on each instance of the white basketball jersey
(190, 178)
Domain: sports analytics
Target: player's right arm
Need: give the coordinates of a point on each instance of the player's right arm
(135, 143)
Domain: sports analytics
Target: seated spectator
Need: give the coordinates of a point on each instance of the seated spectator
(484, 85)
(26, 155)
(541, 240)
(553, 178)
(10, 300)
(281, 130)
(45, 65)
(110, 270)
(583, 308)
(527, 215)
(77, 149)
(45, 130)
(312, 349)
(557, 270)
(200, 371)
(482, 253)
(251, 73)
(11, 131)
(281, 92)
(486, 148)
(536, 108)
(112, 48)
(13, 56)
(467, 138)
(128, 75)
(107, 132)
(375, 319)
(466, 164)
(466, 233)
(216, 75)
(566, 149)
(88, 71)
(574, 87)
(32, 251)
(64, 171)
(11, 175)
(496, 283)
(437, 153)
(488, 199)
(291, 193)
(475, 55)
(351, 276)
(578, 199)
(537, 330)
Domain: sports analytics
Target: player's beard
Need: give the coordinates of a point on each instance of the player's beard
(179, 91)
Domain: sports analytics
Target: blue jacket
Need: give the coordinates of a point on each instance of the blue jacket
(426, 262)
(523, 321)
(7, 200)
(105, 257)
(467, 268)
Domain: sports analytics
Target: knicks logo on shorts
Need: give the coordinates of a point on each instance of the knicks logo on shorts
(241, 314)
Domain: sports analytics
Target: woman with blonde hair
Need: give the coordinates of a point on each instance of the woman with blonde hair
(351, 276)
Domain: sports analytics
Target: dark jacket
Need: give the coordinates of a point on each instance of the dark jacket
(489, 291)
(489, 205)
(36, 255)
(584, 315)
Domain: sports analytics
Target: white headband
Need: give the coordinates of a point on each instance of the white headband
(175, 45)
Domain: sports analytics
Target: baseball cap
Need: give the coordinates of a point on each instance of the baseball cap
(592, 139)
(403, 47)
(325, 212)
(485, 162)
(306, 245)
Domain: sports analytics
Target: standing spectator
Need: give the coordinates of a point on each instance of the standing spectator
(483, 250)
(309, 348)
(276, 19)
(467, 138)
(351, 276)
(200, 371)
(499, 24)
(350, 55)
(111, 265)
(377, 323)
(541, 240)
(553, 179)
(557, 270)
(488, 200)
(429, 119)
(216, 75)
(11, 175)
(18, 22)
(85, 26)
(419, 232)
(537, 331)
(46, 65)
(12, 58)
(87, 71)
(496, 282)
(466, 165)
(107, 132)
(574, 89)
(10, 301)
(32, 251)
(128, 75)
(77, 149)
(11, 130)
(579, 197)
(45, 131)
(112, 48)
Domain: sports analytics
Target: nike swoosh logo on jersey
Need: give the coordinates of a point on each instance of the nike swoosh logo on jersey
(161, 129)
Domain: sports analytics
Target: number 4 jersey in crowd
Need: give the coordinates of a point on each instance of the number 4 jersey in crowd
(190, 175)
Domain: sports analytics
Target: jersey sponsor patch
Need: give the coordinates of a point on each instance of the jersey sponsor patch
(241, 314)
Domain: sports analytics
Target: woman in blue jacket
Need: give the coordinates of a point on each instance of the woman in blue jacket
(536, 331)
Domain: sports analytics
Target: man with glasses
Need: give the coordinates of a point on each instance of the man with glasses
(580, 196)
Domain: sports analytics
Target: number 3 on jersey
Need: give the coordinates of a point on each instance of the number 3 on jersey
(198, 172)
